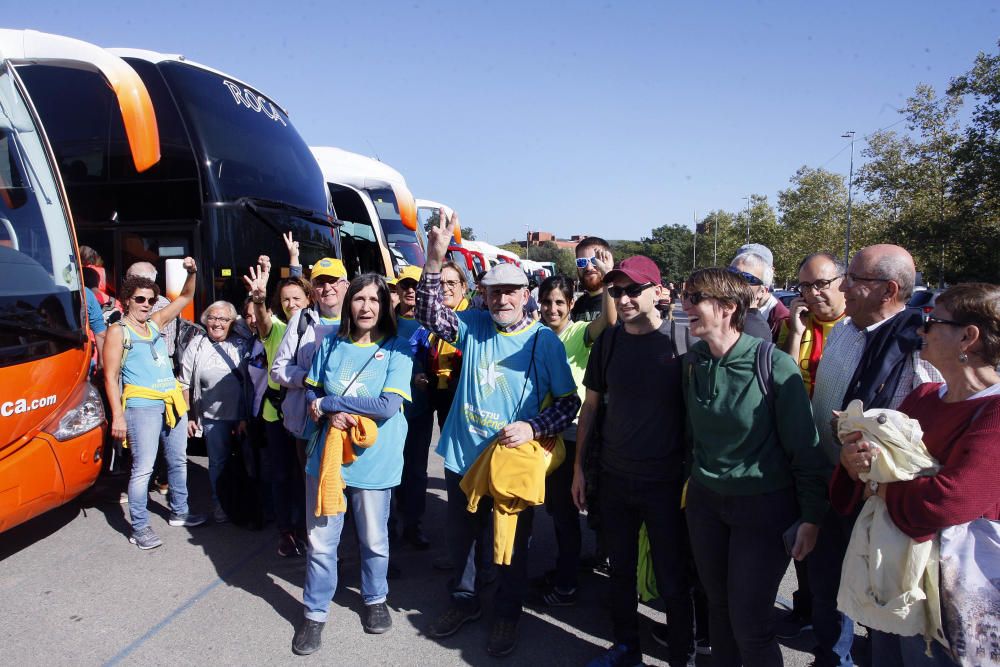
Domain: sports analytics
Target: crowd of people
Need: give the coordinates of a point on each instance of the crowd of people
(706, 452)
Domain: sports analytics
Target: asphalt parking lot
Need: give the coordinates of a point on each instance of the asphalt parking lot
(75, 592)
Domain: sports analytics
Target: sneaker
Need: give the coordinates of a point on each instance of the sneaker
(619, 655)
(503, 637)
(145, 538)
(416, 538)
(288, 546)
(791, 625)
(376, 618)
(452, 620)
(660, 636)
(308, 637)
(187, 520)
(603, 567)
(553, 597)
(123, 498)
(219, 514)
(161, 488)
(702, 646)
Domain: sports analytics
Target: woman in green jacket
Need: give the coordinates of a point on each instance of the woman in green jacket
(757, 490)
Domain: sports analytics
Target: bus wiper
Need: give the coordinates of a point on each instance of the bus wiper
(43, 332)
(254, 203)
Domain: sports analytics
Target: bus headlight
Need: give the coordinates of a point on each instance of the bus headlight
(86, 415)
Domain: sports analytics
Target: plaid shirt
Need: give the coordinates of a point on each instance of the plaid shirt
(443, 321)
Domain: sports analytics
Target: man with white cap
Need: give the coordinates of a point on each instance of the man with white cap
(512, 366)
(756, 263)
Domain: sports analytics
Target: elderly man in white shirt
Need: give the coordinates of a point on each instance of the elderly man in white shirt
(873, 355)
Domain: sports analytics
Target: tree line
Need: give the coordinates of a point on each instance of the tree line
(932, 186)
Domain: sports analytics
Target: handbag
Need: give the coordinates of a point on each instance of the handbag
(970, 589)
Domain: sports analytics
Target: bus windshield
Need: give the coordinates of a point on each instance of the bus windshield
(222, 116)
(403, 242)
(40, 298)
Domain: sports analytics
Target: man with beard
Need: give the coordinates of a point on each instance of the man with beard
(588, 307)
(511, 367)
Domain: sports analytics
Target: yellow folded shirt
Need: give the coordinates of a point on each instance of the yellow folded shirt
(174, 404)
(338, 450)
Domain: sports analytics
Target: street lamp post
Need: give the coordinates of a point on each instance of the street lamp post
(715, 248)
(527, 242)
(694, 245)
(748, 218)
(850, 187)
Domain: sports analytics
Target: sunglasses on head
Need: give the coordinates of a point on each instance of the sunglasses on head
(632, 291)
(749, 277)
(694, 298)
(582, 262)
(142, 299)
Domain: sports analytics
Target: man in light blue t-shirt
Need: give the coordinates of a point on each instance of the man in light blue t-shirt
(511, 367)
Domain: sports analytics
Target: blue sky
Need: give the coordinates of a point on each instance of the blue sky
(605, 118)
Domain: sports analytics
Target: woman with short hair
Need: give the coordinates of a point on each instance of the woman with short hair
(960, 419)
(213, 373)
(757, 472)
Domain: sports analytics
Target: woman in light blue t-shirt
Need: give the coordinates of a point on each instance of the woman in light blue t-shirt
(363, 369)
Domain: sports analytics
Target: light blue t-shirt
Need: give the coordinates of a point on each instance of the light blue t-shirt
(94, 315)
(494, 375)
(335, 364)
(406, 328)
(147, 364)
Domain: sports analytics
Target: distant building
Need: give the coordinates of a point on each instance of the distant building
(538, 238)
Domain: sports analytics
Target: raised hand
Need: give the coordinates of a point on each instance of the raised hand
(264, 262)
(603, 260)
(293, 248)
(439, 238)
(189, 265)
(256, 282)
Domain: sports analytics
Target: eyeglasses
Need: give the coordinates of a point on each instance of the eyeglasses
(632, 291)
(407, 285)
(853, 278)
(451, 284)
(142, 299)
(222, 320)
(818, 285)
(930, 320)
(582, 262)
(694, 298)
(749, 277)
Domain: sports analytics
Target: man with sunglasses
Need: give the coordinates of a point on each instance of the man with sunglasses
(755, 263)
(873, 355)
(587, 308)
(635, 371)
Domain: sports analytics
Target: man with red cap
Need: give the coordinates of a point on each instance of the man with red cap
(635, 371)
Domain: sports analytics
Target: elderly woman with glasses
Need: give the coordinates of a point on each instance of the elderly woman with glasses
(960, 419)
(757, 489)
(213, 374)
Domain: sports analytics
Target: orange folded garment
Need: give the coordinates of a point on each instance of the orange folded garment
(338, 450)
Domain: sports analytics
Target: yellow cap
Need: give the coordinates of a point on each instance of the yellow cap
(409, 272)
(328, 266)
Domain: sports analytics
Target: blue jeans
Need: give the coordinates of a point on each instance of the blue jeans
(889, 650)
(465, 531)
(370, 510)
(834, 630)
(218, 441)
(146, 428)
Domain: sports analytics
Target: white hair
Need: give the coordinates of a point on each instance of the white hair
(756, 261)
(225, 305)
(142, 269)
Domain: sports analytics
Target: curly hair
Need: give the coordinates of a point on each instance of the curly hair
(136, 283)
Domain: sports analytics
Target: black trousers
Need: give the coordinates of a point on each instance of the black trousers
(625, 504)
(740, 555)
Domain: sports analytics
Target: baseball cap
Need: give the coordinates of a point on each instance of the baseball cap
(504, 274)
(638, 269)
(408, 272)
(760, 250)
(328, 266)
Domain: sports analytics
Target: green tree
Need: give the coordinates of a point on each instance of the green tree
(563, 258)
(468, 233)
(670, 246)
(513, 247)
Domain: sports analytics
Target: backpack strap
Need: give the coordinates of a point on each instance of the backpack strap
(763, 370)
